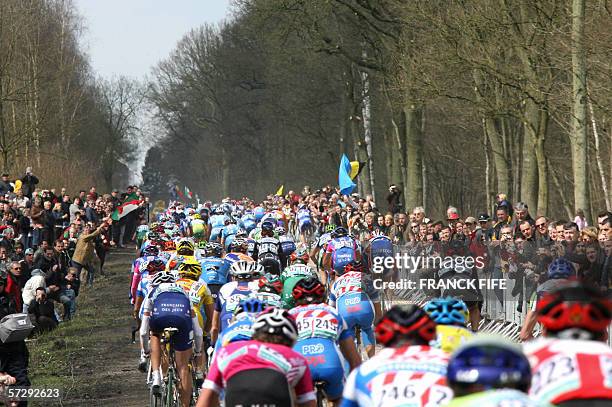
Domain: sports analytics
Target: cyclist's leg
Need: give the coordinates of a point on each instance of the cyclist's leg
(155, 344)
(186, 383)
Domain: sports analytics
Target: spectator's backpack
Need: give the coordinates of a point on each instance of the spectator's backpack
(15, 328)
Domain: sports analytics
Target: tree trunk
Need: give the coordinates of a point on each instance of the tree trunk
(600, 169)
(579, 134)
(366, 113)
(529, 178)
(414, 155)
(225, 173)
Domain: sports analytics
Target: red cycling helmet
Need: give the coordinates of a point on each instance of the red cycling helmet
(405, 321)
(303, 258)
(354, 266)
(575, 305)
(155, 265)
(310, 289)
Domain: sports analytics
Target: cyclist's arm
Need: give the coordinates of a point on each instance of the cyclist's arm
(209, 310)
(214, 330)
(208, 398)
(137, 305)
(144, 331)
(527, 329)
(349, 351)
(197, 333)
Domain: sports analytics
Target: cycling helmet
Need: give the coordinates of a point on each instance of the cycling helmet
(153, 236)
(575, 306)
(271, 280)
(447, 311)
(202, 245)
(270, 263)
(560, 268)
(267, 227)
(275, 321)
(150, 251)
(239, 245)
(169, 245)
(190, 269)
(402, 322)
(491, 362)
(268, 288)
(280, 230)
(299, 256)
(377, 233)
(329, 228)
(354, 265)
(250, 305)
(309, 289)
(241, 233)
(243, 269)
(155, 265)
(163, 277)
(185, 247)
(196, 216)
(339, 232)
(213, 249)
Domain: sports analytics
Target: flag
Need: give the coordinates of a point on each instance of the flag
(356, 167)
(131, 197)
(179, 192)
(279, 192)
(344, 176)
(188, 192)
(124, 209)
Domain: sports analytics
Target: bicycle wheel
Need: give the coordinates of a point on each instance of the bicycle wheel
(169, 391)
(155, 400)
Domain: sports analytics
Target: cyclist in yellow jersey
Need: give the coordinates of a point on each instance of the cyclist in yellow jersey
(201, 299)
(185, 251)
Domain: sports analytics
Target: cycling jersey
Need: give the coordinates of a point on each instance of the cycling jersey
(238, 330)
(229, 234)
(271, 299)
(343, 250)
(320, 327)
(268, 245)
(234, 257)
(228, 298)
(380, 248)
(198, 227)
(237, 357)
(199, 295)
(322, 245)
(248, 222)
(406, 376)
(348, 294)
(137, 271)
(304, 219)
(287, 245)
(169, 307)
(569, 370)
(449, 337)
(217, 223)
(215, 270)
(495, 398)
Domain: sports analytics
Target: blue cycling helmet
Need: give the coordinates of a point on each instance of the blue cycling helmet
(259, 213)
(447, 311)
(489, 361)
(339, 232)
(560, 268)
(150, 250)
(250, 305)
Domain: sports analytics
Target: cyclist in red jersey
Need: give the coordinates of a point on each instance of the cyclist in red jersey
(572, 364)
(262, 371)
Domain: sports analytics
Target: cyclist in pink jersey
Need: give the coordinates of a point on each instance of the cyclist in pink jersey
(262, 371)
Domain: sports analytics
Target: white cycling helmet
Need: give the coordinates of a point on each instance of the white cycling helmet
(276, 321)
(163, 277)
(245, 269)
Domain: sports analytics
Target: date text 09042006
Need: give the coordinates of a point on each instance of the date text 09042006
(29, 393)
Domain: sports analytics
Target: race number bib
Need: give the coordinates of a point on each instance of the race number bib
(559, 372)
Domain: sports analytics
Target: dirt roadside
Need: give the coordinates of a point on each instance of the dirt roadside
(91, 359)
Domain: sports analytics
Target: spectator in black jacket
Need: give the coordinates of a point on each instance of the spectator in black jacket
(47, 262)
(393, 199)
(29, 182)
(42, 312)
(5, 185)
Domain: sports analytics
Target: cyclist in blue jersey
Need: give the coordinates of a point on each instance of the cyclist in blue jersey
(287, 244)
(353, 294)
(167, 306)
(243, 285)
(322, 335)
(341, 250)
(228, 234)
(248, 221)
(240, 327)
(305, 223)
(216, 224)
(215, 270)
(379, 248)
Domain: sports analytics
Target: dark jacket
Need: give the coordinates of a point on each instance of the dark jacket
(44, 309)
(28, 185)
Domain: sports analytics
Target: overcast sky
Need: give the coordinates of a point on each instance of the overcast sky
(128, 37)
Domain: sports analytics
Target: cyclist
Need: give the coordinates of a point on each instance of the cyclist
(287, 244)
(407, 371)
(269, 294)
(216, 223)
(228, 234)
(319, 249)
(141, 233)
(322, 334)
(248, 221)
(572, 364)
(353, 296)
(243, 285)
(340, 251)
(152, 267)
(198, 227)
(305, 223)
(289, 278)
(148, 253)
(215, 270)
(268, 251)
(450, 315)
(489, 371)
(238, 250)
(300, 255)
(262, 371)
(167, 306)
(379, 248)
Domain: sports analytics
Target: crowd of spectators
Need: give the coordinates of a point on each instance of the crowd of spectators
(52, 244)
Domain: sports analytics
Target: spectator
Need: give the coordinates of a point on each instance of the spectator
(13, 355)
(502, 220)
(84, 252)
(47, 262)
(398, 233)
(5, 185)
(67, 294)
(580, 220)
(42, 312)
(542, 234)
(28, 183)
(74, 209)
(29, 289)
(14, 284)
(394, 199)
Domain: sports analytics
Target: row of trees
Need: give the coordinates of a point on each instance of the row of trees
(55, 116)
(455, 101)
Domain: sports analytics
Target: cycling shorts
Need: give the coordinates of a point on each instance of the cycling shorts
(214, 290)
(183, 339)
(215, 234)
(325, 364)
(357, 310)
(272, 389)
